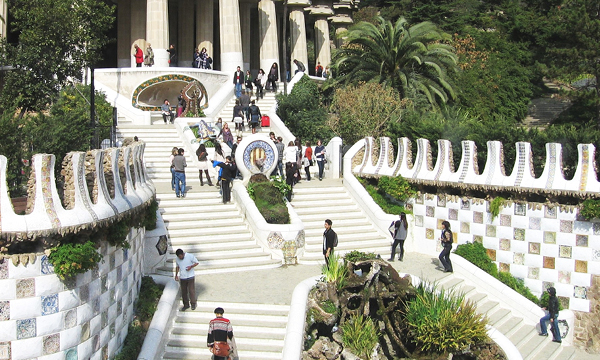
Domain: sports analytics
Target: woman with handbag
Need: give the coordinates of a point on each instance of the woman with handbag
(220, 337)
(203, 164)
(307, 161)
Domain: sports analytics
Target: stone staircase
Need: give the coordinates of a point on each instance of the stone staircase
(200, 223)
(519, 331)
(543, 111)
(258, 329)
(315, 201)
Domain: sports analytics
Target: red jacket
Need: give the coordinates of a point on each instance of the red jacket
(139, 56)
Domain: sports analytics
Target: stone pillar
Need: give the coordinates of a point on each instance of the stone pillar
(297, 33)
(137, 27)
(204, 25)
(246, 28)
(230, 35)
(157, 30)
(186, 33)
(124, 34)
(4, 14)
(342, 20)
(269, 45)
(322, 43)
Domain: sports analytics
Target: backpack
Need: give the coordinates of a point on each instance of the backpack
(335, 239)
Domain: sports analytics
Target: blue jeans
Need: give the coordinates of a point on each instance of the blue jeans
(445, 258)
(172, 178)
(279, 168)
(321, 165)
(179, 183)
(238, 90)
(553, 326)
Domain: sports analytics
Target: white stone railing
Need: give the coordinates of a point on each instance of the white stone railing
(48, 214)
(522, 175)
(284, 241)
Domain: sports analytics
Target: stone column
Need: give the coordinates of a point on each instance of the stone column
(124, 34)
(322, 43)
(4, 14)
(157, 30)
(230, 35)
(245, 9)
(297, 33)
(342, 20)
(269, 45)
(137, 27)
(186, 33)
(204, 25)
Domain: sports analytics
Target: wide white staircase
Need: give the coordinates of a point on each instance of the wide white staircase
(315, 201)
(258, 329)
(200, 223)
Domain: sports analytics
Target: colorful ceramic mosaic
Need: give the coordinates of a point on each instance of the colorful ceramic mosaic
(275, 240)
(465, 228)
(478, 239)
(534, 248)
(549, 262)
(503, 267)
(491, 253)
(520, 209)
(3, 268)
(5, 351)
(505, 220)
(4, 310)
(300, 239)
(581, 240)
(161, 79)
(25, 329)
(419, 220)
(535, 223)
(565, 251)
(429, 234)
(259, 156)
(581, 266)
(519, 234)
(550, 212)
(564, 277)
(533, 273)
(504, 244)
(566, 226)
(519, 258)
(71, 354)
(429, 211)
(465, 204)
(490, 230)
(441, 200)
(70, 318)
(452, 214)
(51, 344)
(25, 288)
(580, 292)
(549, 237)
(478, 217)
(50, 304)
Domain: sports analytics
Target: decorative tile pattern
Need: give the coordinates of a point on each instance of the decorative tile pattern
(25, 329)
(125, 254)
(505, 220)
(429, 234)
(5, 351)
(550, 212)
(490, 230)
(429, 211)
(452, 214)
(465, 204)
(84, 293)
(547, 285)
(504, 244)
(520, 209)
(562, 324)
(3, 268)
(581, 266)
(580, 292)
(111, 261)
(119, 274)
(162, 245)
(564, 277)
(71, 354)
(596, 255)
(596, 227)
(51, 344)
(565, 251)
(96, 306)
(4, 310)
(478, 217)
(104, 283)
(70, 283)
(503, 267)
(419, 220)
(581, 240)
(534, 248)
(465, 228)
(275, 240)
(441, 200)
(119, 306)
(549, 237)
(50, 304)
(85, 331)
(535, 223)
(104, 318)
(25, 288)
(419, 199)
(519, 234)
(301, 238)
(491, 253)
(549, 262)
(478, 239)
(566, 226)
(46, 267)
(70, 318)
(533, 273)
(96, 342)
(519, 259)
(166, 79)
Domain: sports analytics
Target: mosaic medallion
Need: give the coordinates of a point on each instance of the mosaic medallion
(533, 273)
(452, 214)
(564, 277)
(564, 251)
(259, 156)
(549, 237)
(534, 248)
(581, 240)
(162, 245)
(535, 223)
(504, 244)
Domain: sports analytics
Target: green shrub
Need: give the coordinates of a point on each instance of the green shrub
(72, 259)
(355, 256)
(496, 206)
(518, 285)
(117, 234)
(336, 272)
(270, 202)
(329, 307)
(360, 335)
(388, 206)
(149, 221)
(477, 255)
(396, 187)
(443, 321)
(132, 344)
(590, 209)
(147, 302)
(279, 182)
(544, 301)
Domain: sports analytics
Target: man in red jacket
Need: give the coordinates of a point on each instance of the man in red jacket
(139, 56)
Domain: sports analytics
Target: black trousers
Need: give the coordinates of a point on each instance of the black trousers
(225, 188)
(394, 245)
(445, 258)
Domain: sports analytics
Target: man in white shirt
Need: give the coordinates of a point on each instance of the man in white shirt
(185, 266)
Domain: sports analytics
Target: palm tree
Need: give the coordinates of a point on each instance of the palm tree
(412, 59)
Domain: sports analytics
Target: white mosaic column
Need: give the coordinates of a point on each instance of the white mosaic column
(269, 45)
(204, 26)
(322, 46)
(230, 35)
(186, 32)
(157, 30)
(298, 33)
(245, 9)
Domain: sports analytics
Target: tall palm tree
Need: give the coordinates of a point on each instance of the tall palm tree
(410, 59)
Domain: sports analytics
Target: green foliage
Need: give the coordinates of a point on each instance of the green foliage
(72, 259)
(396, 187)
(590, 209)
(443, 321)
(336, 272)
(56, 40)
(147, 302)
(132, 345)
(518, 285)
(11, 147)
(496, 206)
(360, 335)
(355, 256)
(149, 220)
(410, 58)
(364, 110)
(117, 234)
(269, 201)
(477, 255)
(198, 114)
(387, 204)
(302, 113)
(279, 182)
(545, 298)
(329, 307)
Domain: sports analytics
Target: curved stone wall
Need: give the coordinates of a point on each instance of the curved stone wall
(83, 318)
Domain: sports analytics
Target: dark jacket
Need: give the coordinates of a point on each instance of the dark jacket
(254, 112)
(328, 240)
(228, 170)
(553, 302)
(240, 79)
(300, 66)
(219, 329)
